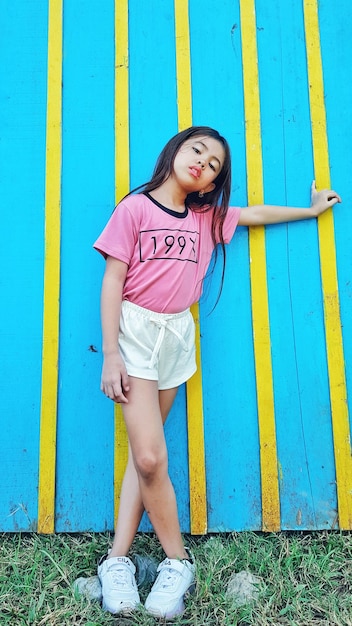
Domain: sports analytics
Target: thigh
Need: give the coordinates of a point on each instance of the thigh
(143, 418)
(166, 400)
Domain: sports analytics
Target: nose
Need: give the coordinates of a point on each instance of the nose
(201, 163)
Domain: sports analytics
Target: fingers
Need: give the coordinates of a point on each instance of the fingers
(119, 397)
(323, 200)
(116, 391)
(331, 197)
(114, 378)
(332, 201)
(125, 381)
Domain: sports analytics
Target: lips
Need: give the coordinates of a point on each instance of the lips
(195, 171)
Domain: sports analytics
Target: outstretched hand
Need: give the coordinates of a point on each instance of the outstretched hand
(322, 200)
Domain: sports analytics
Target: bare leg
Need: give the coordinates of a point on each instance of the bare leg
(146, 435)
(130, 510)
(131, 505)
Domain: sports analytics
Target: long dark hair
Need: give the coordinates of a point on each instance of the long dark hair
(217, 199)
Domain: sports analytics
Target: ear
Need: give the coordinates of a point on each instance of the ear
(210, 187)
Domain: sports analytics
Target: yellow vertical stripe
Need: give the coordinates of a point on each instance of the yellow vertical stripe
(122, 147)
(260, 310)
(122, 187)
(183, 65)
(50, 352)
(196, 450)
(334, 346)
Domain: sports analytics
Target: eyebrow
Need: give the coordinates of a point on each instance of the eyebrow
(206, 147)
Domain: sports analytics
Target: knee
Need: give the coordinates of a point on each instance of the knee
(151, 465)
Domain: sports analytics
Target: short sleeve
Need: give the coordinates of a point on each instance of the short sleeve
(118, 239)
(231, 222)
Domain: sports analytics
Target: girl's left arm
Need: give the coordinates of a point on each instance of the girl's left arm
(261, 214)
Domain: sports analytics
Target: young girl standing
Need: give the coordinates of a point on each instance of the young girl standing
(158, 245)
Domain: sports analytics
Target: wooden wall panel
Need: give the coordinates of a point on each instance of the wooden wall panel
(83, 118)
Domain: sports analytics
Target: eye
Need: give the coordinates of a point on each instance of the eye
(196, 150)
(212, 167)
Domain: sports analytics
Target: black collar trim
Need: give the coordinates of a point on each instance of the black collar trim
(164, 208)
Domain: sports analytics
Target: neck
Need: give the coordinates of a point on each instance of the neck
(170, 196)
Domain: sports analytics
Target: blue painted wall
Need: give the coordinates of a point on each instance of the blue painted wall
(84, 472)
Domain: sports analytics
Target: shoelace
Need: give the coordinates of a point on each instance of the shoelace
(120, 577)
(167, 577)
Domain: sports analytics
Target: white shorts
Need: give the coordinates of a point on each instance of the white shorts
(157, 346)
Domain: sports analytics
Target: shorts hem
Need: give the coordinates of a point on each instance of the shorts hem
(162, 387)
(143, 374)
(180, 382)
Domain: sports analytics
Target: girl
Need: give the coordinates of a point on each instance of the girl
(158, 245)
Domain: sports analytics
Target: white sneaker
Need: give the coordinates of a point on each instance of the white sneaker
(175, 580)
(119, 588)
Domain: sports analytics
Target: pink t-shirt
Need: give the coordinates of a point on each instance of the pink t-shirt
(167, 253)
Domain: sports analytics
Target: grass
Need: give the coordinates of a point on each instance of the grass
(305, 579)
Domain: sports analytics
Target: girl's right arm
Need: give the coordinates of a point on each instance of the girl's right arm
(114, 378)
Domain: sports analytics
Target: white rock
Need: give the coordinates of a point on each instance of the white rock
(89, 587)
(243, 588)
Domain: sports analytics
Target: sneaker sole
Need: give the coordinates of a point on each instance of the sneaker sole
(178, 610)
(123, 609)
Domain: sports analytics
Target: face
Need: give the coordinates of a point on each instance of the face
(197, 164)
